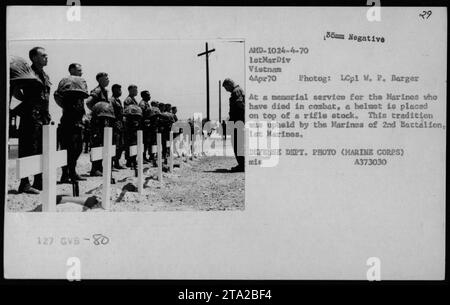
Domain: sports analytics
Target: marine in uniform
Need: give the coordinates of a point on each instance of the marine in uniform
(70, 97)
(146, 109)
(97, 95)
(133, 118)
(152, 116)
(34, 113)
(174, 111)
(102, 116)
(237, 114)
(130, 99)
(164, 126)
(119, 129)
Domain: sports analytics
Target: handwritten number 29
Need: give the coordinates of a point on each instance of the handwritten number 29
(425, 14)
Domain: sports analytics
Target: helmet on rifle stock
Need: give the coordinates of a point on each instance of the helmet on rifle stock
(21, 74)
(103, 109)
(133, 110)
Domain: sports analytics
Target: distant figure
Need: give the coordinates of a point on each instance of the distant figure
(145, 106)
(174, 112)
(166, 121)
(119, 128)
(212, 127)
(237, 113)
(151, 118)
(190, 121)
(34, 113)
(70, 97)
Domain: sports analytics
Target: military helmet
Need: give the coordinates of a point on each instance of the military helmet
(103, 109)
(148, 112)
(133, 110)
(21, 74)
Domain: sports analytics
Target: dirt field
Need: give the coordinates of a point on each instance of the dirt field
(202, 184)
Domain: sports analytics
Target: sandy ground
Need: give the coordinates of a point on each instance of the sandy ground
(201, 183)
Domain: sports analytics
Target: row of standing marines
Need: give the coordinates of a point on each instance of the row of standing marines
(125, 119)
(106, 111)
(76, 127)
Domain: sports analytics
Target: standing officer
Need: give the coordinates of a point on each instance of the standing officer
(98, 94)
(165, 125)
(146, 112)
(34, 113)
(152, 116)
(146, 97)
(72, 104)
(237, 114)
(119, 129)
(102, 116)
(174, 112)
(175, 118)
(133, 119)
(130, 100)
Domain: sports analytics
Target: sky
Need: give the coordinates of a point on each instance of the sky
(169, 69)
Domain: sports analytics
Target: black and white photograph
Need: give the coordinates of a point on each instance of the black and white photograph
(281, 143)
(160, 92)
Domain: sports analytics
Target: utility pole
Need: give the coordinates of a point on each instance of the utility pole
(206, 53)
(220, 102)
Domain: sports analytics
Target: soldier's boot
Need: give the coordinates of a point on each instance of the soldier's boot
(25, 187)
(96, 169)
(65, 176)
(37, 183)
(96, 173)
(75, 177)
(117, 164)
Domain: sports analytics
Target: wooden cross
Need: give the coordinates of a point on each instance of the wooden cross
(160, 156)
(206, 53)
(105, 154)
(46, 163)
(138, 150)
(170, 147)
